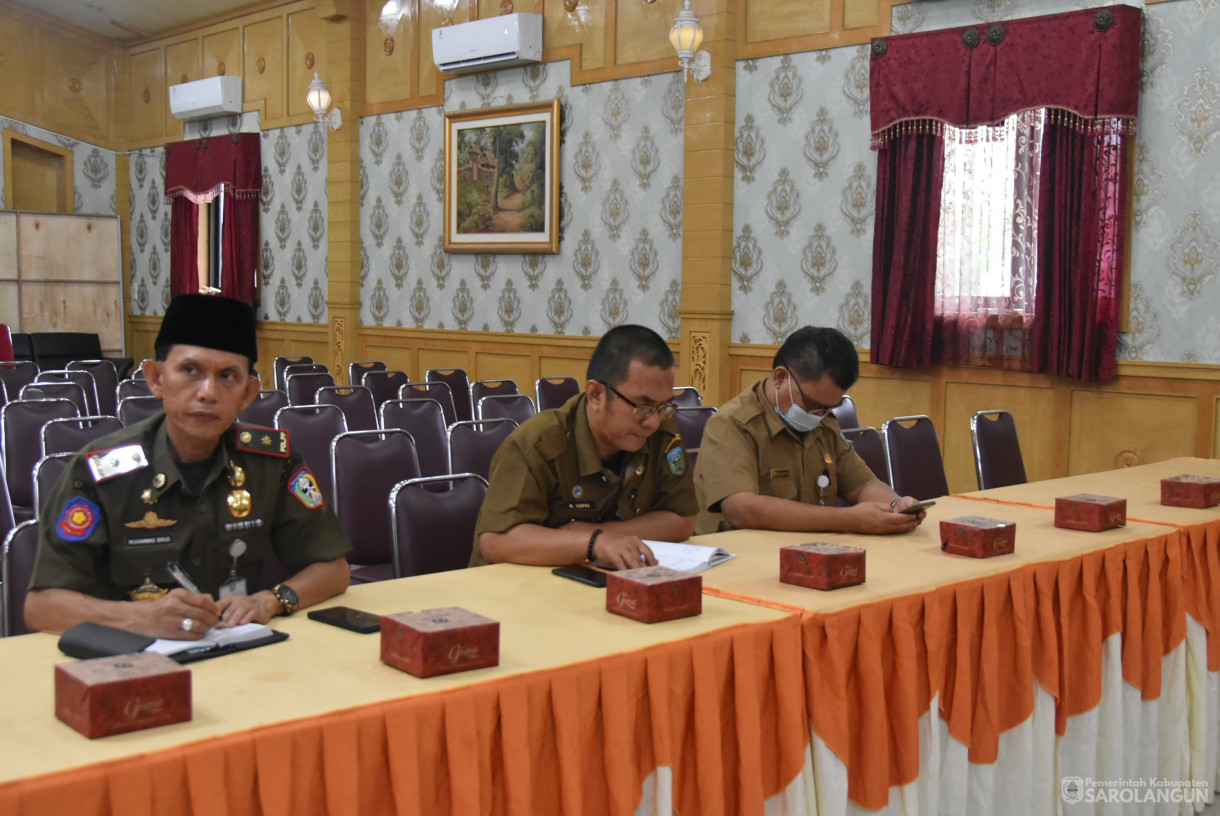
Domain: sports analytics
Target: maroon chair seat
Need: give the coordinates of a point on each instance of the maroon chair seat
(262, 410)
(517, 407)
(17, 567)
(283, 362)
(73, 433)
(16, 375)
(552, 392)
(434, 531)
(424, 419)
(997, 453)
(687, 396)
(473, 444)
(58, 390)
(356, 403)
(105, 382)
(21, 424)
(82, 378)
(138, 409)
(311, 429)
(868, 445)
(459, 385)
(357, 370)
(134, 387)
(303, 386)
(491, 388)
(845, 413)
(384, 384)
(46, 473)
(914, 459)
(439, 391)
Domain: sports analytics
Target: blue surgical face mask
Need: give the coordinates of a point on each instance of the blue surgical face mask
(796, 417)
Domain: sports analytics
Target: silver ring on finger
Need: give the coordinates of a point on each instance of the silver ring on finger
(187, 623)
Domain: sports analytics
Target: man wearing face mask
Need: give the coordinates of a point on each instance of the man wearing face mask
(772, 457)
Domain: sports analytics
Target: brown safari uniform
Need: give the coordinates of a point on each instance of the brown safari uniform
(105, 536)
(548, 473)
(747, 448)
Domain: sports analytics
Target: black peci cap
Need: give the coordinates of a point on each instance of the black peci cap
(209, 321)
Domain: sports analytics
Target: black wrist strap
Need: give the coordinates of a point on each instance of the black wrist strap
(592, 538)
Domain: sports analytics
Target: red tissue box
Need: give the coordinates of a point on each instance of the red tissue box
(439, 641)
(654, 594)
(977, 537)
(1090, 513)
(114, 695)
(821, 566)
(1190, 491)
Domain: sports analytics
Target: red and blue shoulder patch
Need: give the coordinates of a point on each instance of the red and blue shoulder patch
(78, 520)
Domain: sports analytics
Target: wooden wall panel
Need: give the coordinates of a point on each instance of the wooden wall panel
(306, 56)
(788, 26)
(878, 399)
(443, 358)
(222, 54)
(389, 57)
(61, 306)
(10, 292)
(1216, 428)
(779, 19)
(148, 97)
(574, 367)
(275, 339)
(75, 88)
(581, 34)
(67, 248)
(262, 81)
(183, 63)
(16, 88)
(1033, 410)
(10, 303)
(1110, 430)
(641, 32)
(497, 366)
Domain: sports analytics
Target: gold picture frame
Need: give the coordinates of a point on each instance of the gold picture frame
(514, 209)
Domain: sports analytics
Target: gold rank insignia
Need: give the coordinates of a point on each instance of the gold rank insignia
(237, 476)
(107, 464)
(147, 591)
(151, 521)
(239, 503)
(263, 440)
(159, 481)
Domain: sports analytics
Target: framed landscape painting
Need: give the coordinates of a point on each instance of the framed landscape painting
(502, 179)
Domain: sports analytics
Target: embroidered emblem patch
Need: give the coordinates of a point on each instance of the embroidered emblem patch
(305, 488)
(78, 520)
(676, 460)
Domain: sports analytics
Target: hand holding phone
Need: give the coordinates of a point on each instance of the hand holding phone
(579, 572)
(917, 506)
(345, 617)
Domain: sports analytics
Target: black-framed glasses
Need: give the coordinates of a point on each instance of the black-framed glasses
(811, 405)
(663, 410)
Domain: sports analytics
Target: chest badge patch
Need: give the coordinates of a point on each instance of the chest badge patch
(151, 521)
(239, 503)
(305, 488)
(107, 464)
(78, 520)
(577, 492)
(676, 460)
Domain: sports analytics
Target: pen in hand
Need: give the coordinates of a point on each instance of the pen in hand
(184, 580)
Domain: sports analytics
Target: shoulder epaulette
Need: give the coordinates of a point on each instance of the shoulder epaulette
(269, 441)
(107, 464)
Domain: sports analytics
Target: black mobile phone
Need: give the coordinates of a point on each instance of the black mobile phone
(579, 572)
(917, 506)
(347, 618)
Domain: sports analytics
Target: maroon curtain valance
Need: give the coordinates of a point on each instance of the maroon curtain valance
(1085, 63)
(201, 168)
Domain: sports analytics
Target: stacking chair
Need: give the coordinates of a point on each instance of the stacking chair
(15, 375)
(283, 362)
(105, 380)
(137, 373)
(686, 396)
(459, 385)
(691, 419)
(357, 370)
(517, 407)
(438, 391)
(6, 343)
(302, 368)
(134, 388)
(7, 522)
(137, 409)
(424, 419)
(57, 390)
(472, 444)
(845, 413)
(913, 457)
(17, 567)
(262, 410)
(21, 424)
(311, 429)
(552, 392)
(46, 473)
(997, 453)
(434, 531)
(490, 388)
(868, 445)
(304, 386)
(82, 378)
(384, 384)
(367, 465)
(73, 433)
(355, 401)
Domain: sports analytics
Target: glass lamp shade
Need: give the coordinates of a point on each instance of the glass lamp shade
(318, 96)
(686, 36)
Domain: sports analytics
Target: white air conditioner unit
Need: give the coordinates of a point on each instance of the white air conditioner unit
(481, 45)
(214, 96)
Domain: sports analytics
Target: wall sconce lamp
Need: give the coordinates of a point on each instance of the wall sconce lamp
(391, 13)
(686, 37)
(319, 101)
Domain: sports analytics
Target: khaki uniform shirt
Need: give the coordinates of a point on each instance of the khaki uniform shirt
(747, 448)
(104, 534)
(548, 473)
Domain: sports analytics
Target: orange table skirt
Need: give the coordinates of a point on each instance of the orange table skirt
(871, 671)
(724, 710)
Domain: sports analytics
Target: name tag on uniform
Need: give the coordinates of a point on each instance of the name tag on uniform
(779, 473)
(582, 505)
(115, 462)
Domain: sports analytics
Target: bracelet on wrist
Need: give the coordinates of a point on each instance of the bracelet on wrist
(592, 539)
(894, 503)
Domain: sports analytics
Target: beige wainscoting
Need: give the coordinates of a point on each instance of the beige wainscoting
(1154, 411)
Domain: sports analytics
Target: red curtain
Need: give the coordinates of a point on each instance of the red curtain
(199, 172)
(1084, 68)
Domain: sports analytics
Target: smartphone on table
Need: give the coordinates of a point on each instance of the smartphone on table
(579, 572)
(345, 617)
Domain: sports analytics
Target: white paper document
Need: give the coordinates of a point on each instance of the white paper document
(687, 557)
(214, 638)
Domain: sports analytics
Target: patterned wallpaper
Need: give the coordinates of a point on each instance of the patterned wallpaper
(93, 176)
(806, 182)
(292, 222)
(620, 246)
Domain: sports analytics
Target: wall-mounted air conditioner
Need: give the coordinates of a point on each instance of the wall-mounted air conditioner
(214, 96)
(481, 45)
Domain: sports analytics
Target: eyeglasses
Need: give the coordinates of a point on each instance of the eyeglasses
(663, 410)
(812, 406)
